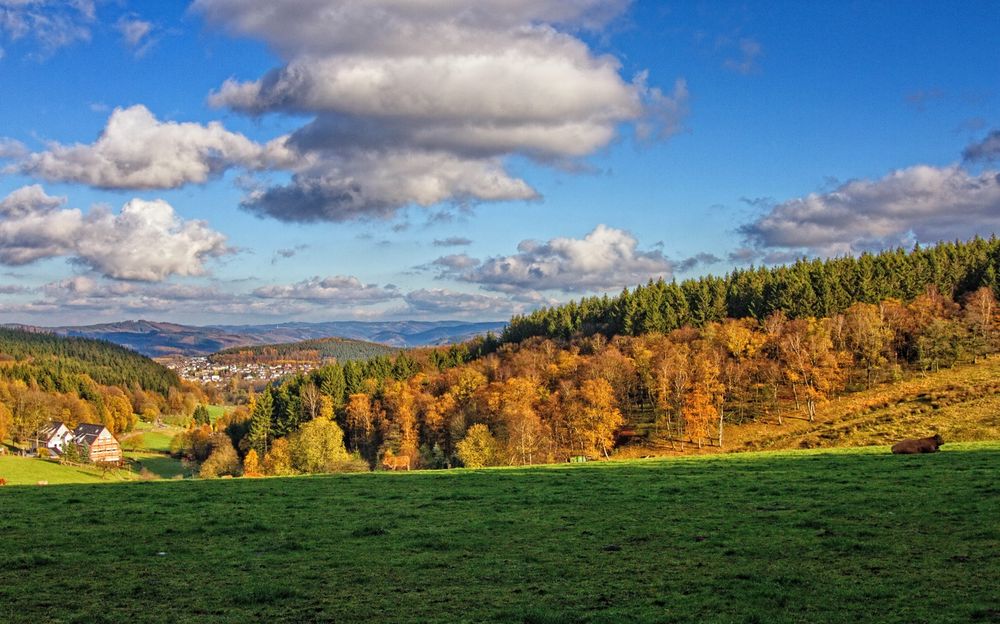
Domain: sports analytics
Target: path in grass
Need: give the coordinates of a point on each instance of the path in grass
(848, 536)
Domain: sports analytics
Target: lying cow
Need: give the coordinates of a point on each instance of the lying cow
(918, 445)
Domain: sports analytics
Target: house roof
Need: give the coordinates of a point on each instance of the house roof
(87, 433)
(49, 430)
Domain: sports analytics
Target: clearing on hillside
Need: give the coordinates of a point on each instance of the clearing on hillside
(847, 536)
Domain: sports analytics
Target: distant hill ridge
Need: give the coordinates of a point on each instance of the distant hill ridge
(318, 350)
(158, 339)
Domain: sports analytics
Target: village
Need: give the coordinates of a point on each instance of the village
(203, 370)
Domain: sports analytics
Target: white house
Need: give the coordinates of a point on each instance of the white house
(53, 436)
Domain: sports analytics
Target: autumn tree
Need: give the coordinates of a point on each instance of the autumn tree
(478, 448)
(810, 361)
(251, 464)
(703, 399)
(513, 402)
(318, 446)
(597, 417)
(867, 338)
(223, 459)
(278, 460)
(361, 424)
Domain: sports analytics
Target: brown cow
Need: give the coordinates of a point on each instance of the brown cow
(392, 462)
(918, 445)
(3, 481)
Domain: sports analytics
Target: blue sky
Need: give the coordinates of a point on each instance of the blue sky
(228, 161)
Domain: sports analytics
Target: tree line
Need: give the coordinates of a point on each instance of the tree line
(808, 288)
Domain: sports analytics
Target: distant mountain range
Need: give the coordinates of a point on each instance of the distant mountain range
(164, 339)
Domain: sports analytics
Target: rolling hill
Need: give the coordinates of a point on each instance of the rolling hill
(318, 350)
(157, 339)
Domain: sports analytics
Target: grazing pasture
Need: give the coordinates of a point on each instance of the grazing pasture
(853, 535)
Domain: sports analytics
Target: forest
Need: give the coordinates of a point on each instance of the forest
(318, 350)
(819, 288)
(79, 380)
(575, 391)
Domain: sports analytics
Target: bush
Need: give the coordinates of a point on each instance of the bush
(223, 460)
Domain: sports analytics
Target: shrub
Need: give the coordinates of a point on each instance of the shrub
(223, 460)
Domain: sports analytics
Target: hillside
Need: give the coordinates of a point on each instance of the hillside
(316, 351)
(156, 339)
(58, 363)
(849, 537)
(961, 404)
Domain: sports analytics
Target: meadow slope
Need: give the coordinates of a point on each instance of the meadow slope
(854, 535)
(961, 403)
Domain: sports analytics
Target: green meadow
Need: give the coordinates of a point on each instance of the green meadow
(852, 535)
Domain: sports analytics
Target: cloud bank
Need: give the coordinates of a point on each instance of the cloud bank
(921, 203)
(423, 103)
(605, 259)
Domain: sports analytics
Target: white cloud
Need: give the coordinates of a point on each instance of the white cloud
(47, 24)
(136, 33)
(605, 259)
(421, 103)
(921, 202)
(444, 303)
(146, 240)
(335, 290)
(137, 151)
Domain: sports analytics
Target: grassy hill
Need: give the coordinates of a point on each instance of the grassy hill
(855, 535)
(319, 350)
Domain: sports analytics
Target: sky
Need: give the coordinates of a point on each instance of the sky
(247, 161)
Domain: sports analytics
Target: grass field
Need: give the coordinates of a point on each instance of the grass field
(29, 471)
(216, 412)
(851, 536)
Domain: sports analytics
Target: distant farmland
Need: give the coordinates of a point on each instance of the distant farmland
(854, 535)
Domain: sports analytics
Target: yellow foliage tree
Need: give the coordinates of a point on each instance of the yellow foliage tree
(278, 460)
(597, 417)
(251, 464)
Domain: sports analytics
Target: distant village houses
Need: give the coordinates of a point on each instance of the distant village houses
(101, 445)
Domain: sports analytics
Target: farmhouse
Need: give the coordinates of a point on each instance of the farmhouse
(53, 436)
(101, 445)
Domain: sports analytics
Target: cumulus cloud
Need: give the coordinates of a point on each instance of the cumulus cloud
(605, 259)
(138, 151)
(145, 241)
(921, 202)
(986, 150)
(48, 24)
(423, 103)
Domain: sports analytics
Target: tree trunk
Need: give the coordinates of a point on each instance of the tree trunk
(721, 416)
